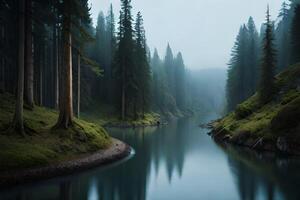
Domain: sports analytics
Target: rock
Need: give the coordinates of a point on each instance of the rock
(227, 138)
(282, 144)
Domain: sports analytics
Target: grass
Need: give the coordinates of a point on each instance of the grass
(43, 145)
(105, 115)
(277, 118)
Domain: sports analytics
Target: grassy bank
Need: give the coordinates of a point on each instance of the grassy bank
(105, 115)
(252, 124)
(42, 144)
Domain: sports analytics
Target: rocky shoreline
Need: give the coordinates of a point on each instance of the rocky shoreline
(281, 145)
(117, 151)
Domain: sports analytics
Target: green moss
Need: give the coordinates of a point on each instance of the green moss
(289, 77)
(279, 117)
(287, 119)
(109, 117)
(43, 144)
(247, 108)
(290, 96)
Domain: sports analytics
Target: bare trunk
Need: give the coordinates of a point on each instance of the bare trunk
(123, 102)
(41, 78)
(2, 84)
(29, 72)
(56, 70)
(78, 85)
(18, 118)
(65, 119)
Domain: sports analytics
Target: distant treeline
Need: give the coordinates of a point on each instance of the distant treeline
(257, 57)
(134, 81)
(51, 55)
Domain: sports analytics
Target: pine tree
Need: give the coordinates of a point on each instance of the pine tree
(295, 36)
(236, 83)
(266, 87)
(65, 119)
(18, 122)
(169, 67)
(252, 67)
(110, 52)
(142, 66)
(158, 80)
(29, 70)
(124, 59)
(180, 81)
(283, 37)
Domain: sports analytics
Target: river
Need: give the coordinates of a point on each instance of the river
(178, 161)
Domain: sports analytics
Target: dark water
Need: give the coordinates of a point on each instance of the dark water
(178, 161)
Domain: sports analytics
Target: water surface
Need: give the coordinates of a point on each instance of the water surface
(177, 161)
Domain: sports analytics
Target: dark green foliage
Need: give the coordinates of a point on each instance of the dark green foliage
(236, 86)
(266, 87)
(283, 37)
(252, 61)
(124, 61)
(180, 81)
(243, 66)
(169, 67)
(287, 118)
(295, 36)
(142, 68)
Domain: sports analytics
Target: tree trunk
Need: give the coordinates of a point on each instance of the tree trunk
(29, 72)
(65, 119)
(2, 84)
(18, 118)
(41, 77)
(56, 70)
(78, 85)
(123, 102)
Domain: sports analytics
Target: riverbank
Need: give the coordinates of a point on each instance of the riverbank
(43, 146)
(118, 150)
(107, 121)
(271, 127)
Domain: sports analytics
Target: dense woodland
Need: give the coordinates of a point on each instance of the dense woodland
(258, 56)
(53, 56)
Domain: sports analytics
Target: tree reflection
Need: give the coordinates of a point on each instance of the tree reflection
(264, 172)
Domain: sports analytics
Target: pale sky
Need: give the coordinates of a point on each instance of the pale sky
(203, 30)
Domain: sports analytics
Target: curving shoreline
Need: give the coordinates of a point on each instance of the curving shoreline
(117, 151)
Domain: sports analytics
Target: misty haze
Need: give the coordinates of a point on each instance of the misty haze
(149, 100)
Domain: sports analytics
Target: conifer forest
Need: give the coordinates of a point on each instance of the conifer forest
(149, 100)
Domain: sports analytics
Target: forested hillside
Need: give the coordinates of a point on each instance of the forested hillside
(67, 63)
(267, 116)
(244, 73)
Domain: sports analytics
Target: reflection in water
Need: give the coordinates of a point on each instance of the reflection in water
(178, 161)
(264, 175)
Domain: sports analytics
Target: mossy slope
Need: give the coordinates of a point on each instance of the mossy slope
(278, 118)
(106, 115)
(42, 144)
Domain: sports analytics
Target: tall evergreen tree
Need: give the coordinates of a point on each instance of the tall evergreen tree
(29, 70)
(283, 37)
(295, 36)
(110, 52)
(236, 86)
(125, 59)
(169, 67)
(180, 81)
(252, 67)
(18, 118)
(158, 81)
(142, 66)
(65, 119)
(266, 87)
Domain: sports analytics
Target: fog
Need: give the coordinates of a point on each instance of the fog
(204, 30)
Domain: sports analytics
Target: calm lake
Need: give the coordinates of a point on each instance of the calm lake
(178, 161)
